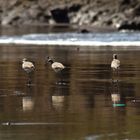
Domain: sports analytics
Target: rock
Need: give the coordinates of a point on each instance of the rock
(125, 2)
(43, 4)
(34, 11)
(60, 14)
(84, 18)
(74, 7)
(129, 25)
(12, 15)
(84, 31)
(136, 11)
(14, 3)
(117, 19)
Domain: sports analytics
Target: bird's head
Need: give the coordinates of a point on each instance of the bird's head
(49, 60)
(24, 59)
(114, 56)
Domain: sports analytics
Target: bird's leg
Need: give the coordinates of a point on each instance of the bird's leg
(118, 87)
(61, 76)
(117, 72)
(29, 79)
(60, 81)
(112, 75)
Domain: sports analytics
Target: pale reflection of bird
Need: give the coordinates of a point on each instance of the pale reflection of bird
(56, 66)
(27, 103)
(118, 99)
(28, 67)
(58, 101)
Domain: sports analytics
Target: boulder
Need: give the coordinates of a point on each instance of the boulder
(84, 16)
(43, 4)
(34, 11)
(74, 7)
(84, 31)
(60, 14)
(12, 15)
(129, 25)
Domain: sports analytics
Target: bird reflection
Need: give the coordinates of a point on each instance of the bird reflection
(58, 101)
(59, 97)
(117, 98)
(27, 101)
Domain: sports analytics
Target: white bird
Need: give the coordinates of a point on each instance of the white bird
(27, 66)
(115, 64)
(56, 66)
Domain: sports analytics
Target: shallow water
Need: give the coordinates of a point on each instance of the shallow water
(69, 35)
(83, 103)
(96, 39)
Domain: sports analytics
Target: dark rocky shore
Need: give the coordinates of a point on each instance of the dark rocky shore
(117, 14)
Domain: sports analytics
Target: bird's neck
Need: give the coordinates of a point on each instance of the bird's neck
(51, 61)
(115, 58)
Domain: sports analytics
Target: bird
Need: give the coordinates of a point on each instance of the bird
(115, 65)
(56, 66)
(28, 67)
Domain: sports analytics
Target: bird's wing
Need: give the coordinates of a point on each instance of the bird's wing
(58, 65)
(118, 62)
(28, 65)
(115, 64)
